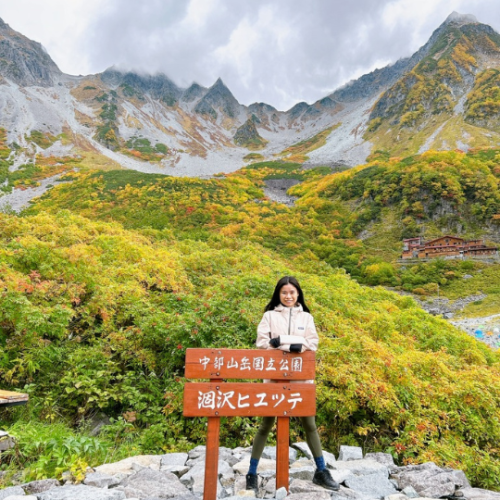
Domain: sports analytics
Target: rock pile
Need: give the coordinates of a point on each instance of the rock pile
(180, 476)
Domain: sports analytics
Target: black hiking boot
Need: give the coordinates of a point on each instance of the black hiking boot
(325, 479)
(252, 482)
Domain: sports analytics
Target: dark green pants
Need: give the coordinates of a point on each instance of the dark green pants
(309, 425)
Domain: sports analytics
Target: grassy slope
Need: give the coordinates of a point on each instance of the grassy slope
(119, 307)
(176, 263)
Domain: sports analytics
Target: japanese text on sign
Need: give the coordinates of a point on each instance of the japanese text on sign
(256, 363)
(219, 399)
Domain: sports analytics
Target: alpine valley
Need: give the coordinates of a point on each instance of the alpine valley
(443, 97)
(163, 217)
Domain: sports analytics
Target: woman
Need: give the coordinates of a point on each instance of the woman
(287, 325)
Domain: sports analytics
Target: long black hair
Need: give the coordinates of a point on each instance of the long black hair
(275, 299)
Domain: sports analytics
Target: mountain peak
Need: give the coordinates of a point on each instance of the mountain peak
(24, 61)
(461, 19)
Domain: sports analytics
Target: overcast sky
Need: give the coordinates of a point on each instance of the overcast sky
(274, 51)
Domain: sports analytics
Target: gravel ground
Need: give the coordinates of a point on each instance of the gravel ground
(20, 198)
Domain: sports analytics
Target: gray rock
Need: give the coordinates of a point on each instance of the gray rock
(371, 485)
(361, 467)
(173, 459)
(100, 480)
(80, 492)
(226, 474)
(410, 492)
(314, 495)
(346, 493)
(242, 494)
(270, 453)
(340, 476)
(264, 465)
(6, 443)
(302, 447)
(152, 483)
(281, 493)
(267, 487)
(428, 480)
(178, 470)
(21, 497)
(39, 486)
(13, 490)
(301, 486)
(329, 458)
(350, 453)
(194, 479)
(127, 465)
(467, 276)
(478, 494)
(196, 454)
(461, 477)
(396, 496)
(381, 458)
(305, 473)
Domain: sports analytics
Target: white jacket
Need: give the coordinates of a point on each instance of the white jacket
(293, 326)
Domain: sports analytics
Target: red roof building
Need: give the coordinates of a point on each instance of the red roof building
(445, 246)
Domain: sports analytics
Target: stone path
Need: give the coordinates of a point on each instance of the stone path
(180, 476)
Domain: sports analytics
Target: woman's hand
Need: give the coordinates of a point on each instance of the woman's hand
(275, 342)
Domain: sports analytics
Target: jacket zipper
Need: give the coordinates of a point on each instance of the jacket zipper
(290, 321)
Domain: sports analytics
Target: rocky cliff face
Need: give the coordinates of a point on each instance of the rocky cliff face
(24, 61)
(218, 98)
(433, 96)
(444, 71)
(247, 135)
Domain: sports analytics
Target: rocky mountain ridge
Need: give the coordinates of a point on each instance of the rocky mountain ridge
(200, 129)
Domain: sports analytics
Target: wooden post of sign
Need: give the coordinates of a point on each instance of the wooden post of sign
(212, 456)
(282, 457)
(212, 459)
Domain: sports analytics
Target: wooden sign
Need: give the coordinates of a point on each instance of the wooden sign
(279, 398)
(249, 400)
(249, 364)
(8, 398)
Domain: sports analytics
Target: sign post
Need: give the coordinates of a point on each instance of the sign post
(286, 396)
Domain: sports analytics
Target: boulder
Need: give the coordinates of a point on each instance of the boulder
(305, 473)
(410, 492)
(371, 485)
(350, 453)
(429, 480)
(270, 453)
(478, 494)
(329, 458)
(21, 497)
(346, 494)
(13, 490)
(100, 480)
(80, 492)
(381, 458)
(361, 467)
(313, 495)
(127, 465)
(264, 465)
(194, 479)
(38, 486)
(173, 459)
(152, 483)
(303, 448)
(301, 486)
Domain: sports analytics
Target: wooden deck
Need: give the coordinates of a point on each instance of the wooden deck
(8, 398)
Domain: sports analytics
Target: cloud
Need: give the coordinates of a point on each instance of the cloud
(275, 51)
